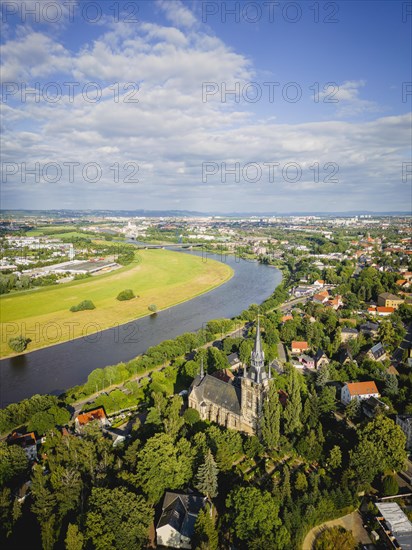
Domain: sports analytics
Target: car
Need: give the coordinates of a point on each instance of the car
(183, 393)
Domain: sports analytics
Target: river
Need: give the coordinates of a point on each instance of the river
(57, 368)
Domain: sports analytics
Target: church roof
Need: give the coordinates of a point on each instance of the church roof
(257, 371)
(222, 394)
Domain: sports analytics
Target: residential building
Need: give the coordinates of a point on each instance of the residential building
(321, 359)
(377, 352)
(348, 333)
(369, 329)
(98, 415)
(358, 390)
(27, 442)
(176, 525)
(405, 422)
(387, 299)
(307, 362)
(373, 406)
(298, 347)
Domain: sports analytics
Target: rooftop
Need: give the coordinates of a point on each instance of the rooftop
(362, 388)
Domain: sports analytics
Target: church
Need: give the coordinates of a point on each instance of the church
(234, 404)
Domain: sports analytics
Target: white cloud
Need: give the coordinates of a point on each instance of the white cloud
(177, 13)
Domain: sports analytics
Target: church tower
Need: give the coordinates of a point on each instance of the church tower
(255, 384)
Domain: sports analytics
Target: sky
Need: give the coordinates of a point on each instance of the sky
(210, 106)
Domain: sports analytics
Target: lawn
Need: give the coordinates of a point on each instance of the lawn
(160, 277)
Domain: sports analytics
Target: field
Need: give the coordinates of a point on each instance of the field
(159, 277)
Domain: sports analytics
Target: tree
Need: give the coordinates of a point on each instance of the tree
(162, 465)
(293, 409)
(327, 399)
(333, 538)
(206, 536)
(117, 518)
(301, 483)
(381, 447)
(19, 343)
(252, 512)
(44, 508)
(390, 486)
(191, 416)
(206, 479)
(322, 376)
(84, 305)
(74, 539)
(335, 458)
(126, 294)
(13, 462)
(270, 421)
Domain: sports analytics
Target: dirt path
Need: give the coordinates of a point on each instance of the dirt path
(351, 522)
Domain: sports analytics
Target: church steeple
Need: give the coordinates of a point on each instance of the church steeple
(257, 371)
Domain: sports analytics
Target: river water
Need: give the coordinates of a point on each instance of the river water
(54, 369)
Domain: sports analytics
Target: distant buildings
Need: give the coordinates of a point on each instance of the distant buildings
(387, 299)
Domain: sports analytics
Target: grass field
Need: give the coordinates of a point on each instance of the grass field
(160, 277)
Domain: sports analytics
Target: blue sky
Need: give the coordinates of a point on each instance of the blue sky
(320, 119)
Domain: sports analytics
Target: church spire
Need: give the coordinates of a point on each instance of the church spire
(202, 373)
(257, 363)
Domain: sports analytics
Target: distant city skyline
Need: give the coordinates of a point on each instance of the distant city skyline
(207, 106)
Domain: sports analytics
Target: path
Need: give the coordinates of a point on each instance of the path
(351, 522)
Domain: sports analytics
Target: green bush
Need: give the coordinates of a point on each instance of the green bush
(86, 304)
(153, 308)
(19, 343)
(390, 486)
(126, 294)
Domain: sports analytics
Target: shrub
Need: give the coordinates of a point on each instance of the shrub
(191, 416)
(390, 486)
(86, 304)
(153, 308)
(19, 343)
(126, 294)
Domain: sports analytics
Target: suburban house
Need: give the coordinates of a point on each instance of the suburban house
(98, 415)
(345, 356)
(377, 352)
(382, 311)
(299, 347)
(373, 406)
(348, 333)
(234, 361)
(321, 359)
(335, 302)
(405, 422)
(369, 329)
(387, 299)
(319, 283)
(176, 525)
(26, 441)
(321, 297)
(358, 390)
(307, 362)
(287, 318)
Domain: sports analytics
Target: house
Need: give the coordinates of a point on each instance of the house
(402, 283)
(234, 361)
(348, 333)
(345, 356)
(395, 525)
(369, 329)
(26, 441)
(98, 415)
(307, 362)
(335, 302)
(224, 374)
(299, 347)
(387, 299)
(321, 297)
(319, 283)
(176, 525)
(358, 390)
(373, 406)
(405, 423)
(377, 352)
(321, 359)
(287, 318)
(384, 311)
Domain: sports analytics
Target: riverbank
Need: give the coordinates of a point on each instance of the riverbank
(161, 277)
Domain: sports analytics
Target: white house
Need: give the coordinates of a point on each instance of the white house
(358, 390)
(176, 525)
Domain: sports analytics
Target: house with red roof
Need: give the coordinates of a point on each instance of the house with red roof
(299, 347)
(359, 391)
(98, 415)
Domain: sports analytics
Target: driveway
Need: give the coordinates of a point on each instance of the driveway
(351, 522)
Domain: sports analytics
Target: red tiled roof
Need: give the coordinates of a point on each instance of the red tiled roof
(299, 345)
(362, 388)
(383, 309)
(96, 414)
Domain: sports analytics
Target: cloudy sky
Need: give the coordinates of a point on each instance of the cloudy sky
(206, 105)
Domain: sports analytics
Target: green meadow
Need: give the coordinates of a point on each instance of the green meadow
(159, 277)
